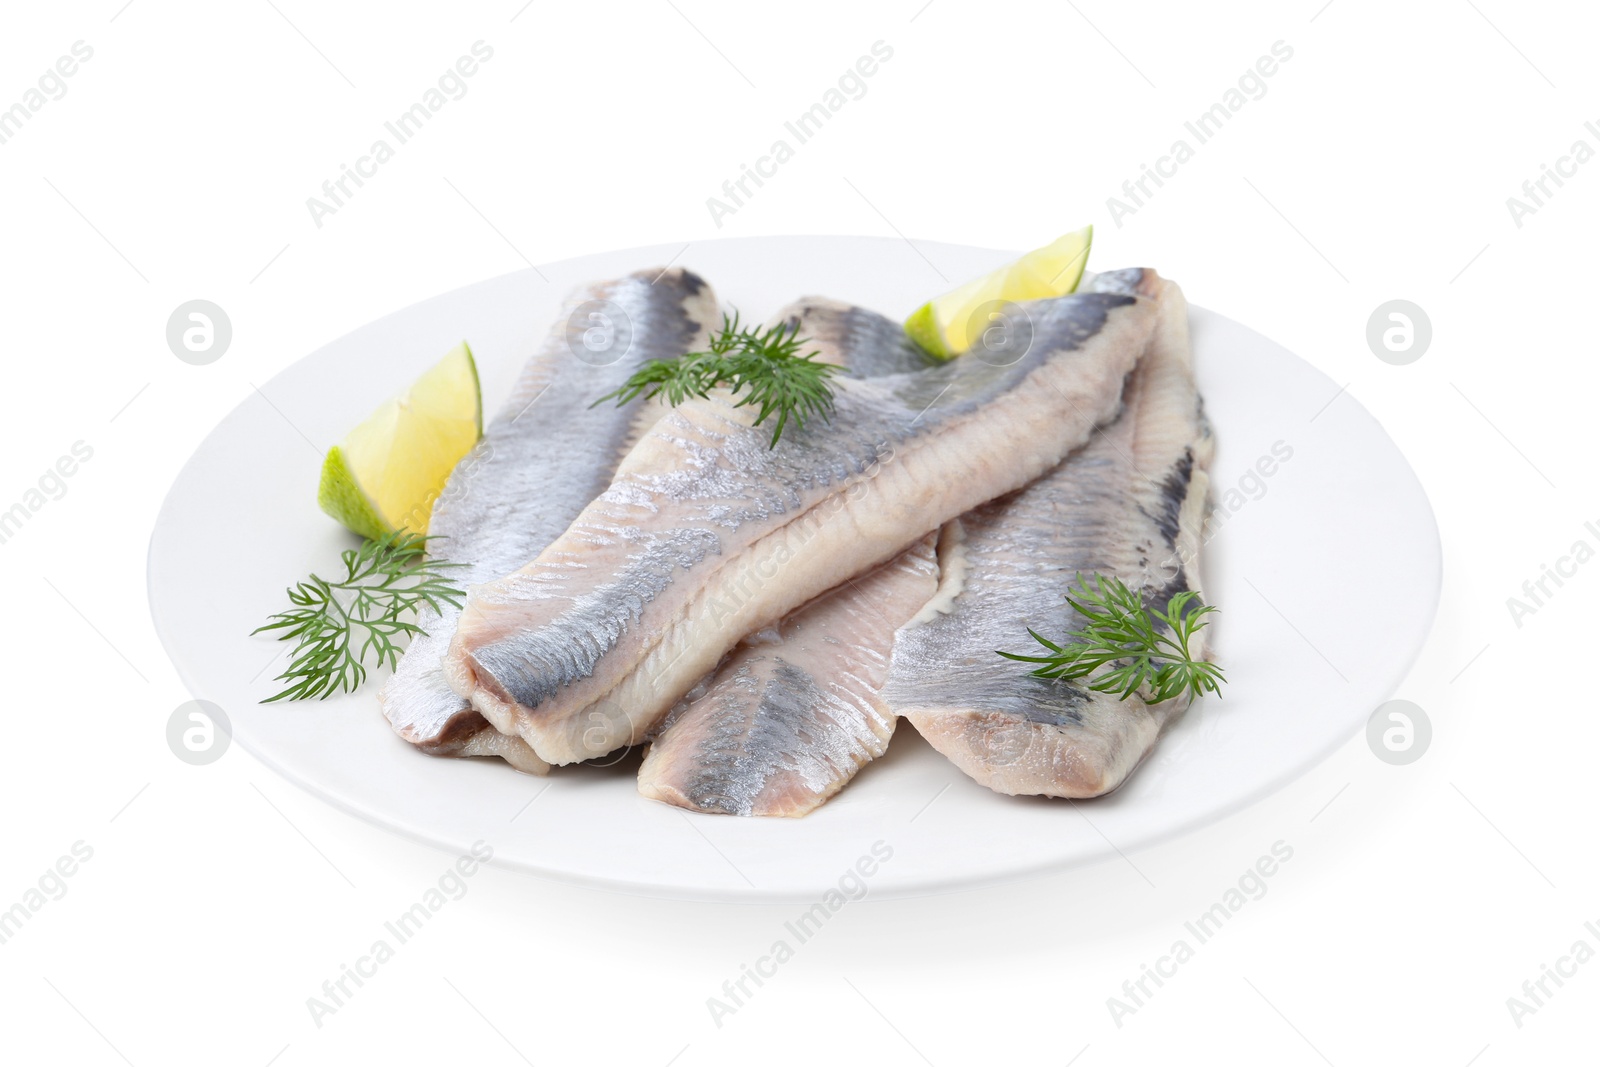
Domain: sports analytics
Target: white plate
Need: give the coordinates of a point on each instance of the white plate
(1327, 580)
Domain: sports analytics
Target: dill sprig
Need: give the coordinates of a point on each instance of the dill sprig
(766, 365)
(366, 611)
(1143, 648)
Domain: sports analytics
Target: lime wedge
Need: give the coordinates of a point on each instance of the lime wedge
(948, 325)
(387, 472)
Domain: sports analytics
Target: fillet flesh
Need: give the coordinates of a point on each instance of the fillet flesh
(1130, 504)
(706, 534)
(791, 717)
(545, 456)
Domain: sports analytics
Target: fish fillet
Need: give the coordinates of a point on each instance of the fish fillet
(794, 711)
(545, 456)
(789, 719)
(706, 534)
(1130, 504)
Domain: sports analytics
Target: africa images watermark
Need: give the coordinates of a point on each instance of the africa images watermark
(1537, 191)
(1251, 885)
(52, 85)
(1536, 992)
(1252, 85)
(51, 485)
(803, 128)
(452, 85)
(50, 886)
(1251, 486)
(451, 885)
(1536, 592)
(460, 483)
(850, 886)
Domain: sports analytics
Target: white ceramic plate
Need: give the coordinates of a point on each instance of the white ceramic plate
(1327, 576)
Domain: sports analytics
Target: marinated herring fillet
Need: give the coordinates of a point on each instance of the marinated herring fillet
(794, 711)
(1130, 505)
(706, 534)
(791, 717)
(545, 456)
(876, 345)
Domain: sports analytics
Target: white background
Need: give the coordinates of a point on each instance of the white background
(1377, 166)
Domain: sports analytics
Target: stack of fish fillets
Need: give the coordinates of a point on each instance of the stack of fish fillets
(762, 616)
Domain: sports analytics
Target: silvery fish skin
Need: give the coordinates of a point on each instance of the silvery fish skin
(545, 456)
(706, 534)
(794, 711)
(1130, 504)
(789, 719)
(863, 342)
